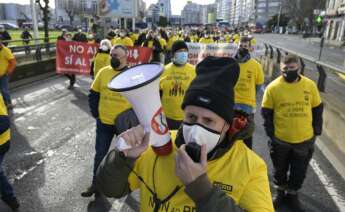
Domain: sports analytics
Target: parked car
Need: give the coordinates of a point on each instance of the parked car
(9, 25)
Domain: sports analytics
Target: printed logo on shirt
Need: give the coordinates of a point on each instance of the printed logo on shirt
(223, 187)
(306, 95)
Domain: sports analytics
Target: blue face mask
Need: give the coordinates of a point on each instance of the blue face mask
(181, 58)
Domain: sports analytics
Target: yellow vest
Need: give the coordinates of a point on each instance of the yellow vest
(251, 74)
(111, 103)
(5, 136)
(5, 56)
(101, 60)
(174, 83)
(240, 173)
(292, 104)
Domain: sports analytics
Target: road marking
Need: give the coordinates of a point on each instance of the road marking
(338, 200)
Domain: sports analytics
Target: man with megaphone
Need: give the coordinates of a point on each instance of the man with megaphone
(209, 167)
(102, 102)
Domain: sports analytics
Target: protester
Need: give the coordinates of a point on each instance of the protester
(292, 112)
(7, 193)
(249, 84)
(105, 106)
(4, 35)
(123, 40)
(26, 36)
(153, 42)
(7, 66)
(102, 57)
(174, 83)
(229, 176)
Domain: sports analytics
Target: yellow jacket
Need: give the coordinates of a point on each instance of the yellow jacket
(236, 179)
(5, 136)
(101, 60)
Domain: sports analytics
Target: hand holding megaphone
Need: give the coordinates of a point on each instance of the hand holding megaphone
(136, 140)
(140, 86)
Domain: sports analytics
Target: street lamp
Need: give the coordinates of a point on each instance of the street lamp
(279, 14)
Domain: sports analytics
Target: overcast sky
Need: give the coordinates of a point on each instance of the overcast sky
(176, 5)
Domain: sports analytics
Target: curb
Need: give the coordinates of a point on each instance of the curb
(332, 153)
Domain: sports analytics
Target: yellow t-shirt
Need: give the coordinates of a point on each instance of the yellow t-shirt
(227, 38)
(5, 136)
(101, 60)
(174, 83)
(126, 41)
(5, 56)
(163, 43)
(292, 104)
(206, 40)
(171, 41)
(134, 37)
(251, 74)
(111, 103)
(240, 173)
(253, 42)
(149, 44)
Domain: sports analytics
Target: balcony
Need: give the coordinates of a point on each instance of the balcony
(331, 12)
(341, 9)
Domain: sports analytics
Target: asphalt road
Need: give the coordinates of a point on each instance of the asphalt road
(333, 56)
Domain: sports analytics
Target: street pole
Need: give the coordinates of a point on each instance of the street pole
(34, 20)
(280, 12)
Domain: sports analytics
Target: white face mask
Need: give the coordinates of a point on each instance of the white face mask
(104, 48)
(201, 135)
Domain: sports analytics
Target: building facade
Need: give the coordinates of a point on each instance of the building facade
(192, 13)
(224, 8)
(153, 13)
(265, 9)
(15, 13)
(165, 8)
(335, 26)
(86, 8)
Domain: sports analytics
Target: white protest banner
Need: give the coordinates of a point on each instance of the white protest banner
(198, 51)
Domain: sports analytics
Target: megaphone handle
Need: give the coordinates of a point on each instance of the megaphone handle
(121, 144)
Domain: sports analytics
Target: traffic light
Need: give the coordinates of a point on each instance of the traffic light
(319, 19)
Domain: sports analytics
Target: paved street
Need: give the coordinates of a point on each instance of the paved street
(333, 56)
(51, 158)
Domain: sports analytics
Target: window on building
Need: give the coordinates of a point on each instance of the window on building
(273, 4)
(261, 5)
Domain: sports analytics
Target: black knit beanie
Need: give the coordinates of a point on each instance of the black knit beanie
(213, 86)
(177, 45)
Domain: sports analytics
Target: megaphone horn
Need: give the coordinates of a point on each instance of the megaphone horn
(140, 86)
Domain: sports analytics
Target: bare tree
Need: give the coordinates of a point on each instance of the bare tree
(301, 11)
(72, 8)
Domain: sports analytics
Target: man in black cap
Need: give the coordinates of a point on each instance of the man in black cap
(174, 83)
(225, 176)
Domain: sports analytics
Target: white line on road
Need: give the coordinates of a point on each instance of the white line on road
(329, 186)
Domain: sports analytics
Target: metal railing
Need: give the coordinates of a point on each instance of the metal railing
(275, 53)
(28, 51)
